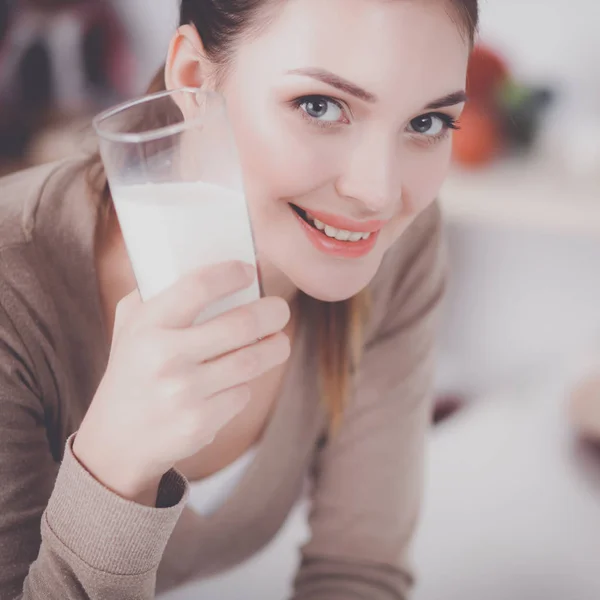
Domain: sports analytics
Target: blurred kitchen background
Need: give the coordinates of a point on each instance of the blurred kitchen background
(513, 495)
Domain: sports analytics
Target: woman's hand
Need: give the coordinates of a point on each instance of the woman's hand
(170, 385)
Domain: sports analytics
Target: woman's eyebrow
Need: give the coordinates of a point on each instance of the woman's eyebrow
(337, 82)
(448, 100)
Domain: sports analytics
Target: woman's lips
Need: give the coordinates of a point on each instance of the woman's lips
(340, 248)
(346, 224)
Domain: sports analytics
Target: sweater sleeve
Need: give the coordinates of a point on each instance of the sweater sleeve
(62, 534)
(368, 479)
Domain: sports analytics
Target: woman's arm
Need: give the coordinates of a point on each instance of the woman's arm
(62, 534)
(368, 477)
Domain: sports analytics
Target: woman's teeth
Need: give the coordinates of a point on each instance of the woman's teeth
(339, 234)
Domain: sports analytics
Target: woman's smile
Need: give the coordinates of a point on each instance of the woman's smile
(336, 235)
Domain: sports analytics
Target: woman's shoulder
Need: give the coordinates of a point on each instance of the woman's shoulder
(33, 197)
(49, 316)
(20, 194)
(46, 237)
(44, 213)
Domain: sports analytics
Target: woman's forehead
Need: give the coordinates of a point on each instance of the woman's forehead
(381, 45)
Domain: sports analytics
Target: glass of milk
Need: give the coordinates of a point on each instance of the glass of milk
(176, 182)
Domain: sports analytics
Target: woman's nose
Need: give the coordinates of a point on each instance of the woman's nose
(372, 178)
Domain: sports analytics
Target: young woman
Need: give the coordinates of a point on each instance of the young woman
(110, 409)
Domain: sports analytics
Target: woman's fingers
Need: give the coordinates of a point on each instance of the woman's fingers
(180, 305)
(220, 409)
(244, 365)
(231, 331)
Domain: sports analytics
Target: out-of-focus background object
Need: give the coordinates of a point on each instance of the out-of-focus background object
(502, 116)
(60, 62)
(524, 219)
(585, 405)
(512, 505)
(513, 498)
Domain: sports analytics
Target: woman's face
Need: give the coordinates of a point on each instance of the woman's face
(343, 112)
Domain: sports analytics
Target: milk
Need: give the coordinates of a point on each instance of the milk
(171, 229)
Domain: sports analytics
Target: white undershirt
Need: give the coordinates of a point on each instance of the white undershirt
(210, 493)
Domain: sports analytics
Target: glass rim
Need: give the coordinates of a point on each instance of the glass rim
(156, 133)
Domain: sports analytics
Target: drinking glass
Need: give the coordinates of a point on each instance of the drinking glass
(176, 182)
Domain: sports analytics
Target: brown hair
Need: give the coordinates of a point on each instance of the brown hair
(221, 25)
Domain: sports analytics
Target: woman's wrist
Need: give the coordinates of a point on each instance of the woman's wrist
(115, 475)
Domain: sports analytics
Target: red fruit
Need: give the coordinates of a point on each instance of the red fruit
(478, 140)
(486, 74)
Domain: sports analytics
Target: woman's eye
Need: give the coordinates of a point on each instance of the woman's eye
(322, 108)
(431, 125)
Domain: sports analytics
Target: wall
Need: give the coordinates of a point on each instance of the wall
(521, 304)
(549, 40)
(522, 301)
(151, 29)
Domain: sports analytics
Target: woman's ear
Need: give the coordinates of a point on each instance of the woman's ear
(186, 64)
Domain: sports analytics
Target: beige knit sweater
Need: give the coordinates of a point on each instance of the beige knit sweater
(63, 535)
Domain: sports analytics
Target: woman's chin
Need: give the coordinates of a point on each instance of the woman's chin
(324, 283)
(330, 291)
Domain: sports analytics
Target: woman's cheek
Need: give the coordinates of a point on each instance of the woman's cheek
(287, 163)
(425, 172)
